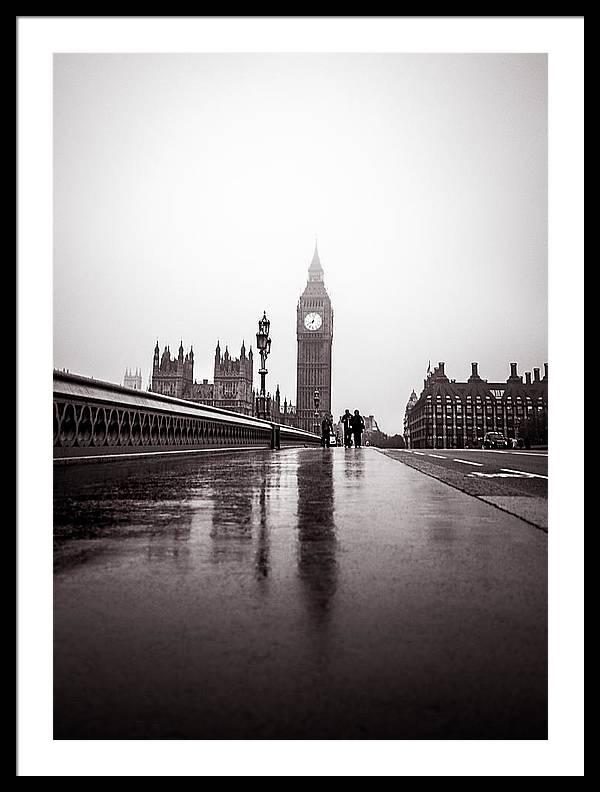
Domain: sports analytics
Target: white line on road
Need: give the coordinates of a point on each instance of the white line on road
(507, 451)
(524, 473)
(479, 474)
(466, 462)
(419, 453)
(437, 456)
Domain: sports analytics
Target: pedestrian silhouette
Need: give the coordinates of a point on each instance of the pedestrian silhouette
(346, 420)
(357, 425)
(326, 430)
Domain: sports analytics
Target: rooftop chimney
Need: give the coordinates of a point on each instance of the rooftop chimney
(474, 372)
(545, 371)
(536, 374)
(528, 377)
(441, 367)
(513, 369)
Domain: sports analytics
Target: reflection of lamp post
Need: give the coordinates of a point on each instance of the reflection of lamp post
(263, 342)
(317, 398)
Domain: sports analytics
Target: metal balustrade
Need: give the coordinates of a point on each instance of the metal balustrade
(99, 420)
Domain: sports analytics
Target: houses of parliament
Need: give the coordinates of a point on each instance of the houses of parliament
(232, 387)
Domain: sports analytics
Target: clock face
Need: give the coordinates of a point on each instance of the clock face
(313, 321)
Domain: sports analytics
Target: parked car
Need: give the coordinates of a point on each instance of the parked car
(494, 440)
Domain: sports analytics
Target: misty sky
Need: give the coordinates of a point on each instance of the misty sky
(189, 190)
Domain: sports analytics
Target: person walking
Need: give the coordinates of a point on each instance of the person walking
(346, 420)
(326, 430)
(358, 427)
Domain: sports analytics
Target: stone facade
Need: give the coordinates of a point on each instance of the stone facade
(173, 376)
(231, 388)
(372, 434)
(132, 379)
(204, 392)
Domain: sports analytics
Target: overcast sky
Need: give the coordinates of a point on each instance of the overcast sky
(189, 190)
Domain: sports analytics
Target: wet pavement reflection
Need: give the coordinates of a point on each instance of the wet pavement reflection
(317, 543)
(307, 593)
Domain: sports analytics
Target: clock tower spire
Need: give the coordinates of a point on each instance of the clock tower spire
(314, 332)
(315, 271)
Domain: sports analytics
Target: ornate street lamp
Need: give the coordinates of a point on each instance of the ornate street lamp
(263, 343)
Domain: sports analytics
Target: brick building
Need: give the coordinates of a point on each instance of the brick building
(450, 414)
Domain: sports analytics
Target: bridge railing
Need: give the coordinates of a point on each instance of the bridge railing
(95, 420)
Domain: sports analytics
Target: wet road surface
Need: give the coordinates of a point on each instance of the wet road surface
(307, 593)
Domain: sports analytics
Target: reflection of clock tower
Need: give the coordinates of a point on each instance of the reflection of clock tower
(314, 329)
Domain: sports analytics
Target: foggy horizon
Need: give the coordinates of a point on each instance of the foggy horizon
(189, 190)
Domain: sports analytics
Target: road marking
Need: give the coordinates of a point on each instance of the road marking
(508, 451)
(466, 462)
(497, 475)
(524, 473)
(437, 456)
(419, 453)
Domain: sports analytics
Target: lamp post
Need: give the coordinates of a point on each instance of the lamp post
(263, 343)
(517, 426)
(317, 398)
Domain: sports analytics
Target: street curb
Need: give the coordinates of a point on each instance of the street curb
(436, 478)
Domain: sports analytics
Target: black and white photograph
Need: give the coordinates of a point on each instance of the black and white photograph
(301, 338)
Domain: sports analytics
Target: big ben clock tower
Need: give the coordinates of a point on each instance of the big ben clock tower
(314, 329)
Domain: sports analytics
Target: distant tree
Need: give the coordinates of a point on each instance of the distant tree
(534, 431)
(395, 441)
(375, 438)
